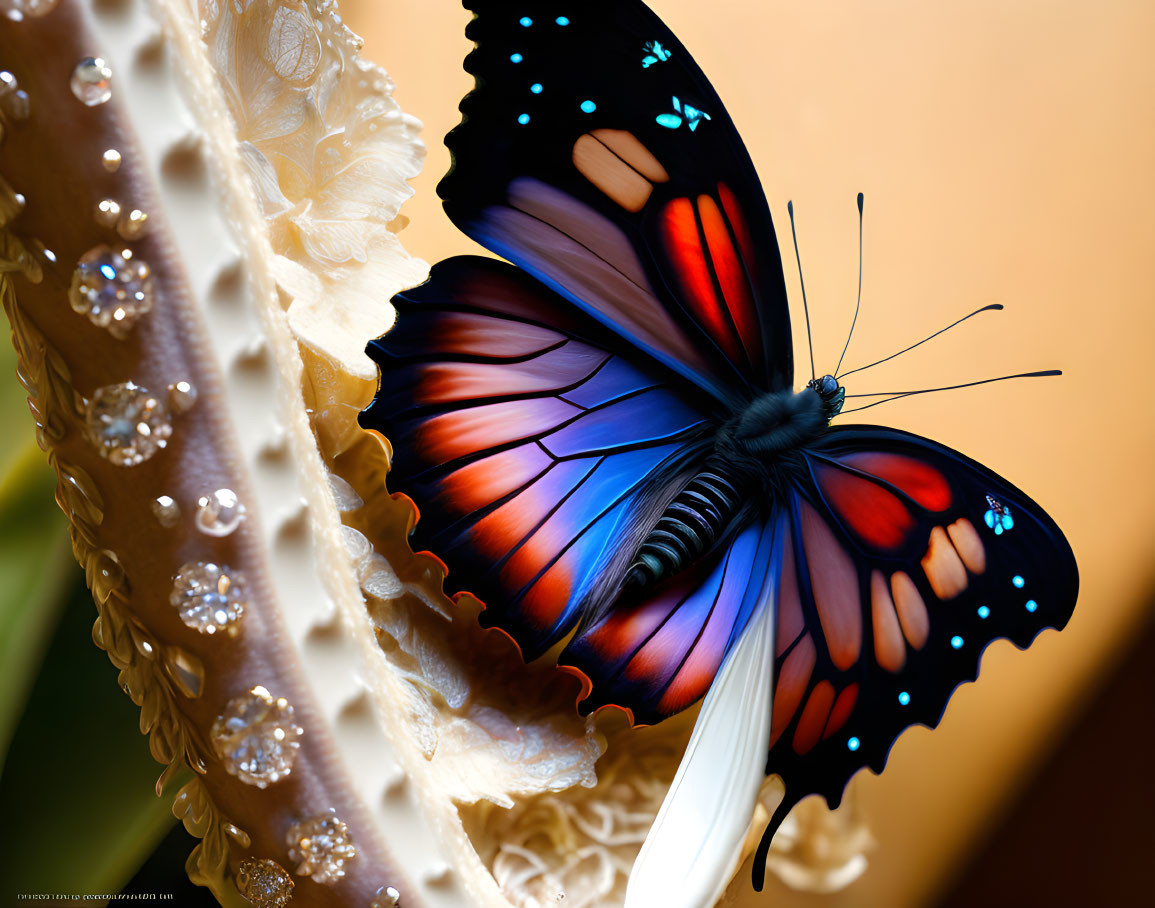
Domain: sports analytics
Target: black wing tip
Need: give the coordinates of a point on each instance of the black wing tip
(877, 764)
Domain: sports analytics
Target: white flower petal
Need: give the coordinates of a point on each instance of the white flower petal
(696, 840)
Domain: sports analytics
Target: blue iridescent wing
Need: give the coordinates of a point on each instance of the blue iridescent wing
(893, 583)
(537, 453)
(594, 154)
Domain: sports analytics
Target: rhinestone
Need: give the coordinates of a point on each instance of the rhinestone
(111, 160)
(91, 81)
(321, 846)
(14, 101)
(166, 511)
(127, 423)
(209, 597)
(17, 10)
(113, 288)
(18, 105)
(132, 225)
(220, 513)
(256, 738)
(107, 212)
(182, 396)
(264, 883)
(387, 897)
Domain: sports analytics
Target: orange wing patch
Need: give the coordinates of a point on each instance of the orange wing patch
(814, 716)
(792, 681)
(944, 569)
(619, 165)
(968, 544)
(627, 147)
(835, 586)
(911, 609)
(843, 707)
(889, 648)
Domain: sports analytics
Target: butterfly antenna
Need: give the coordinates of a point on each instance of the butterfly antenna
(805, 308)
(898, 395)
(991, 308)
(858, 304)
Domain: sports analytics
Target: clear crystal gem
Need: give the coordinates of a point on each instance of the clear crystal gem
(107, 212)
(132, 225)
(18, 10)
(264, 883)
(91, 81)
(387, 897)
(321, 846)
(182, 395)
(127, 423)
(14, 101)
(166, 511)
(256, 738)
(209, 597)
(220, 513)
(113, 288)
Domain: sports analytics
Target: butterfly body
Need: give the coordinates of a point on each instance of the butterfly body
(750, 461)
(607, 448)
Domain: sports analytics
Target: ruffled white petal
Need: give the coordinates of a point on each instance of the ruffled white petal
(695, 842)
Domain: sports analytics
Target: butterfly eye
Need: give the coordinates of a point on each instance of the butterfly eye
(828, 385)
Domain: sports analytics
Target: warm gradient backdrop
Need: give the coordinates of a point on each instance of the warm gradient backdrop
(1007, 154)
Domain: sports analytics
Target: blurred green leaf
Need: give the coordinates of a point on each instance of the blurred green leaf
(80, 811)
(34, 559)
(14, 415)
(35, 569)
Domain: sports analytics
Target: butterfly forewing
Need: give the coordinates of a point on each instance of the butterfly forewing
(534, 453)
(595, 155)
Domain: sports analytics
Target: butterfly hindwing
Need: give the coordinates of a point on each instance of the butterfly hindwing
(660, 654)
(895, 582)
(536, 452)
(594, 154)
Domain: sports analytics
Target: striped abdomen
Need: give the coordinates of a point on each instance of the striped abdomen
(690, 524)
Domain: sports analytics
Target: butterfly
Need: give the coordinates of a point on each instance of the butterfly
(607, 448)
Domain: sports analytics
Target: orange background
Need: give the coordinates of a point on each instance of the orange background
(1007, 154)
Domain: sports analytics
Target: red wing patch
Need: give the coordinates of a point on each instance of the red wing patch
(916, 478)
(715, 280)
(875, 515)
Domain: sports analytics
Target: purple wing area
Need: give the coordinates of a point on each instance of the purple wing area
(659, 655)
(536, 454)
(594, 154)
